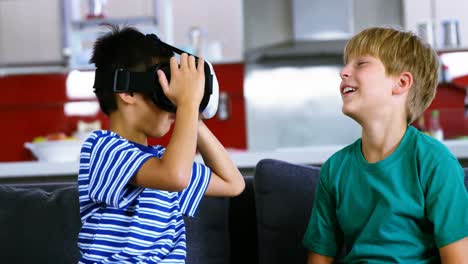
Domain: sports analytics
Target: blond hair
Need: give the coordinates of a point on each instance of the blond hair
(400, 51)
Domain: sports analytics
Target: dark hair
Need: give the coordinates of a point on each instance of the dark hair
(126, 48)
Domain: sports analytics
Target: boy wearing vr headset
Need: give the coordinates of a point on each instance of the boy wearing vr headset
(133, 196)
(396, 195)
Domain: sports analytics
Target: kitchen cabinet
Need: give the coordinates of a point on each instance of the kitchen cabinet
(371, 13)
(421, 11)
(229, 123)
(43, 32)
(30, 33)
(221, 21)
(171, 20)
(48, 32)
(277, 22)
(83, 22)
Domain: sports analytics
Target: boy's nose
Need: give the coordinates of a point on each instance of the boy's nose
(345, 72)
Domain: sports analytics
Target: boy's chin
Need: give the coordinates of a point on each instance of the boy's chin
(350, 113)
(347, 111)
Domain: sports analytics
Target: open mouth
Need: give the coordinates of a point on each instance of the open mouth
(348, 90)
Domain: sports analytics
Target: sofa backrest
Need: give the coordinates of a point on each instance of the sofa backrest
(40, 224)
(243, 225)
(208, 232)
(37, 226)
(284, 195)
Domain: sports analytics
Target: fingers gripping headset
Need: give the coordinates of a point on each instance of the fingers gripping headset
(147, 82)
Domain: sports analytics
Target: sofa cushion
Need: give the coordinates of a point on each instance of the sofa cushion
(39, 226)
(208, 232)
(243, 225)
(284, 195)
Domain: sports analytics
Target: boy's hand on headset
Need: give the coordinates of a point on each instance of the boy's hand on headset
(187, 81)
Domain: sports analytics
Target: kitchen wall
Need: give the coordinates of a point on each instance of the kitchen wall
(33, 105)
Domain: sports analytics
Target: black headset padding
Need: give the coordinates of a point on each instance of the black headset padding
(159, 97)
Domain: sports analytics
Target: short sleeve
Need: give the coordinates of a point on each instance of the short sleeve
(321, 236)
(190, 197)
(447, 202)
(113, 163)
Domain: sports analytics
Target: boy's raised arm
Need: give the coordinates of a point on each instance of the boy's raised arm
(172, 172)
(226, 180)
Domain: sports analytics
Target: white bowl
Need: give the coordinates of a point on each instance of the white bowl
(55, 150)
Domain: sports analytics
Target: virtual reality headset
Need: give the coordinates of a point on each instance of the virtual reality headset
(124, 81)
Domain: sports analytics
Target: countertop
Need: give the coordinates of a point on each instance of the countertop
(243, 160)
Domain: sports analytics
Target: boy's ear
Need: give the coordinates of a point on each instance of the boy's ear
(127, 98)
(404, 83)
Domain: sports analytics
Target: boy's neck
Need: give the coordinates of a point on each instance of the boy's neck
(124, 130)
(379, 140)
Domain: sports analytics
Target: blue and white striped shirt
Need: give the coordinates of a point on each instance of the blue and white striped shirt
(123, 223)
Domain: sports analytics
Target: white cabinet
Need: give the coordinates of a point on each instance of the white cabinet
(221, 20)
(41, 32)
(278, 23)
(421, 11)
(454, 9)
(30, 32)
(35, 32)
(83, 24)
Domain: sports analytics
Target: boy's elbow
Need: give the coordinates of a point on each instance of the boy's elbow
(238, 187)
(180, 181)
(241, 187)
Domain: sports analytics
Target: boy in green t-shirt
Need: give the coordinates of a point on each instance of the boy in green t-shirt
(395, 195)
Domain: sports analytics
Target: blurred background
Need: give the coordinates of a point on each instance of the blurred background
(277, 62)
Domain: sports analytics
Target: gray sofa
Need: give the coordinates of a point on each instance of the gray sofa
(284, 196)
(40, 224)
(265, 224)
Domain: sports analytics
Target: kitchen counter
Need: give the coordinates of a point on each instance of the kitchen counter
(245, 160)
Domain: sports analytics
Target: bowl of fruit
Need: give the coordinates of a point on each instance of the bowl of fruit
(55, 147)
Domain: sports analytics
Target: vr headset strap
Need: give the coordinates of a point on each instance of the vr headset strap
(124, 81)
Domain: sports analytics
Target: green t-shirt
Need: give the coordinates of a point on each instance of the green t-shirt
(398, 210)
